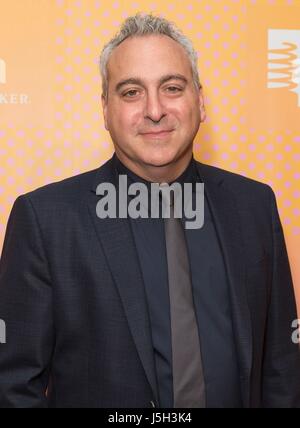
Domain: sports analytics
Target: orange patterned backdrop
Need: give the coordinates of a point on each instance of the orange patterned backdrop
(51, 124)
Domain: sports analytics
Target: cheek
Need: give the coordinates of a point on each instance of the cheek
(192, 117)
(127, 119)
(184, 112)
(184, 121)
(135, 118)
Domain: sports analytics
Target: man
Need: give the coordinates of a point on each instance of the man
(93, 307)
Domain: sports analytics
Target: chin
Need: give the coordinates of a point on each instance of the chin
(159, 159)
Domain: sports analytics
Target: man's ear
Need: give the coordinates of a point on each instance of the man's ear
(104, 109)
(202, 105)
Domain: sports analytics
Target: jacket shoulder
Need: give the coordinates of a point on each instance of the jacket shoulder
(232, 180)
(68, 188)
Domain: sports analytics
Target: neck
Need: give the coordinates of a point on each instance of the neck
(157, 174)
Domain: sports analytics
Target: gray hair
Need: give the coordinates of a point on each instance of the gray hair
(146, 24)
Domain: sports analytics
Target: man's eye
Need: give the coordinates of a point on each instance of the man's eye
(174, 89)
(130, 93)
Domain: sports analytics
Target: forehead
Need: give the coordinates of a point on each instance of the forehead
(147, 57)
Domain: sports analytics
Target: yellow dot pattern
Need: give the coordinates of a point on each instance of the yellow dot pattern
(51, 124)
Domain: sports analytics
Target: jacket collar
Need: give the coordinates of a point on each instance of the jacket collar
(117, 242)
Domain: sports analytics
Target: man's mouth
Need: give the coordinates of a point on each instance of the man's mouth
(157, 134)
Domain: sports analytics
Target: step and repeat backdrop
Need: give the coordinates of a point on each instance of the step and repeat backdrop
(51, 124)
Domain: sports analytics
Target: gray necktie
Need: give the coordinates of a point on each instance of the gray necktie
(188, 379)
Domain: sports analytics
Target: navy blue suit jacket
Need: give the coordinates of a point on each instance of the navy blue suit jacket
(73, 299)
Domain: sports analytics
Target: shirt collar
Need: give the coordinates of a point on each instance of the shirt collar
(189, 175)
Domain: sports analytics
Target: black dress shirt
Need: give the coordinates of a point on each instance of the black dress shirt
(211, 297)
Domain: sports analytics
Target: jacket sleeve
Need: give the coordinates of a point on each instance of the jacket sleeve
(26, 310)
(281, 368)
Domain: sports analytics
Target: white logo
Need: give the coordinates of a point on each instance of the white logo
(114, 202)
(2, 71)
(284, 60)
(10, 98)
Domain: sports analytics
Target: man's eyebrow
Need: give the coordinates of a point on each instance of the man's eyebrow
(173, 77)
(138, 81)
(132, 80)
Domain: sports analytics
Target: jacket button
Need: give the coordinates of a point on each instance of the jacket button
(152, 403)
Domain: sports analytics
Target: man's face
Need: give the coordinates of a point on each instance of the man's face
(153, 100)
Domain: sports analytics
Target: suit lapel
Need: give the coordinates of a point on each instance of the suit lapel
(227, 222)
(118, 245)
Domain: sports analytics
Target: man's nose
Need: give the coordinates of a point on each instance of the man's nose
(154, 109)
